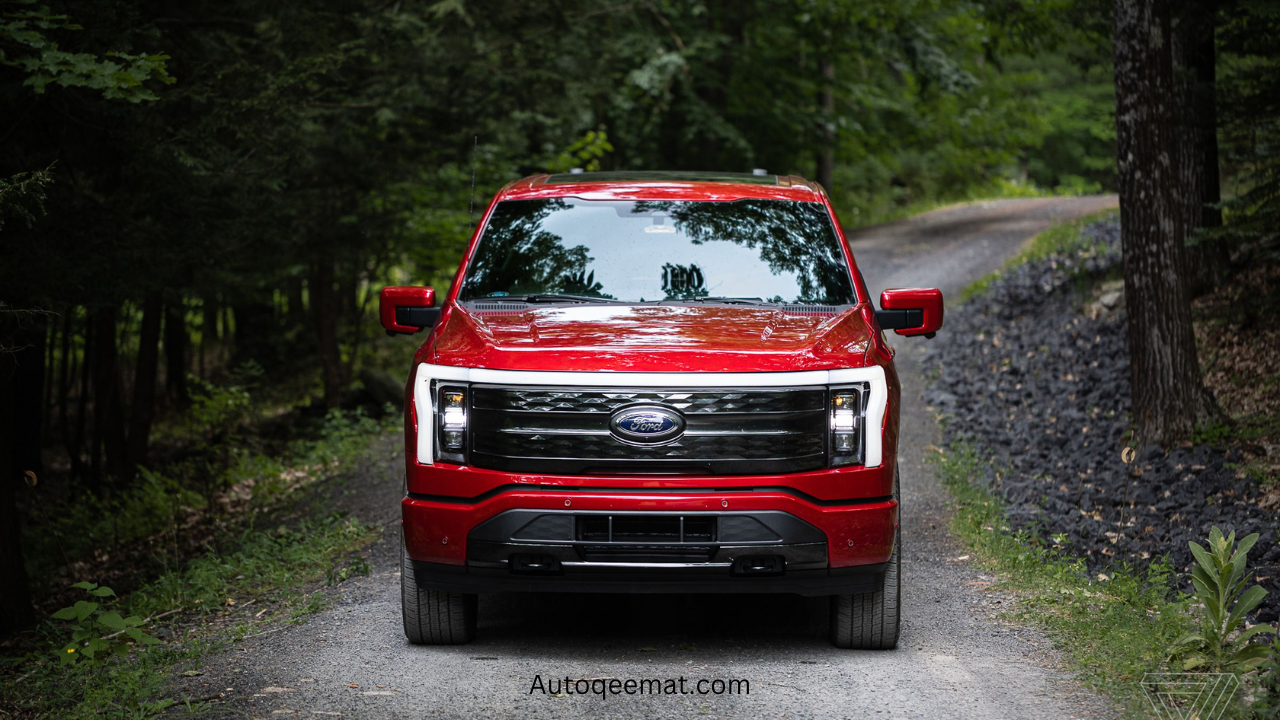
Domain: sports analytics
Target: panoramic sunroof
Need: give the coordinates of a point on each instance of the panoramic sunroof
(663, 176)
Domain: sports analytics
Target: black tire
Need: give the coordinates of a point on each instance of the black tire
(432, 617)
(871, 620)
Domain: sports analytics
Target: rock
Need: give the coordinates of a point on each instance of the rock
(1056, 373)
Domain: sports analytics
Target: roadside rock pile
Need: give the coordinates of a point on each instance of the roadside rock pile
(1034, 374)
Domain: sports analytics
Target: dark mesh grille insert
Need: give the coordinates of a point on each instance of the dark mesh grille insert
(727, 431)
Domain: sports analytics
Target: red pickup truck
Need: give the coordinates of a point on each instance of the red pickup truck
(648, 382)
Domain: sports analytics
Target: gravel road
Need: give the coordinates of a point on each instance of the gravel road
(957, 658)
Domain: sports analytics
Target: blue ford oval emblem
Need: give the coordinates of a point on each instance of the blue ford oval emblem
(646, 425)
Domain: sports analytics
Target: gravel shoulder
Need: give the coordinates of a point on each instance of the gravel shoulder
(956, 658)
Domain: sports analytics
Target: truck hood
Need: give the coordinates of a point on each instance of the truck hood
(650, 338)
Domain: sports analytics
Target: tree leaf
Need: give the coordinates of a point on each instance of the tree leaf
(85, 585)
(67, 613)
(112, 621)
(84, 609)
(104, 592)
(1245, 605)
(1252, 655)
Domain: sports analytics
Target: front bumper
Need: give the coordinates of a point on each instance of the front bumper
(810, 547)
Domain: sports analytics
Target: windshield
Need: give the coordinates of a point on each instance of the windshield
(777, 251)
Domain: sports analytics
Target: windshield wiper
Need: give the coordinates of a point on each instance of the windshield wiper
(549, 298)
(728, 300)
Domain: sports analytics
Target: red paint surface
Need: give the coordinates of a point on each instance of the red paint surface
(650, 338)
(927, 299)
(846, 483)
(870, 527)
(393, 297)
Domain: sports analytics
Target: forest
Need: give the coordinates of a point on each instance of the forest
(200, 201)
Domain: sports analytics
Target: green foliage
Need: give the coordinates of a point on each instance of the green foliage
(1113, 627)
(217, 409)
(1266, 702)
(1061, 239)
(265, 562)
(1248, 85)
(26, 27)
(92, 523)
(1219, 576)
(22, 197)
(98, 630)
(278, 569)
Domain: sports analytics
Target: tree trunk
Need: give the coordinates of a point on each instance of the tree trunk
(109, 449)
(28, 375)
(827, 105)
(255, 329)
(297, 307)
(324, 302)
(15, 594)
(1169, 396)
(1195, 68)
(175, 352)
(87, 364)
(208, 331)
(70, 442)
(142, 410)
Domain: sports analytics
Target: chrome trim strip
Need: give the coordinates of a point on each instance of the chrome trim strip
(585, 564)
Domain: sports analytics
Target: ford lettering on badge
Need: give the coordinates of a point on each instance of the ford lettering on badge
(646, 425)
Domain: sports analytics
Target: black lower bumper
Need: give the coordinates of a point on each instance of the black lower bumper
(650, 580)
(528, 550)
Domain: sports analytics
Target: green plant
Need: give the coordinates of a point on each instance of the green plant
(98, 630)
(357, 567)
(1219, 578)
(1114, 626)
(1265, 704)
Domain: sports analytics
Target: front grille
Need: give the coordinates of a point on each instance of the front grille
(727, 431)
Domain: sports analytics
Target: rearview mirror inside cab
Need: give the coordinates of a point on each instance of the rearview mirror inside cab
(911, 311)
(406, 310)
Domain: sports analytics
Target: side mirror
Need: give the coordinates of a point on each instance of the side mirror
(911, 311)
(406, 310)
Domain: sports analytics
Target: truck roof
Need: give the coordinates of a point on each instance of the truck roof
(664, 185)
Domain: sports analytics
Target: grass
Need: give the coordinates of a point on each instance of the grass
(277, 573)
(861, 213)
(267, 566)
(1113, 627)
(1064, 238)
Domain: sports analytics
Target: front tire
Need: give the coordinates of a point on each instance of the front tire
(871, 620)
(432, 617)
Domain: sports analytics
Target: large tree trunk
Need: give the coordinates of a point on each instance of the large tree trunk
(1169, 397)
(827, 113)
(18, 353)
(324, 302)
(1195, 68)
(142, 410)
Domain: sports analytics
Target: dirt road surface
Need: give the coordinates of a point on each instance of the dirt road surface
(957, 657)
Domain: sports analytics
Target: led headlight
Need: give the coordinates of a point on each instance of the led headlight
(451, 423)
(848, 424)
